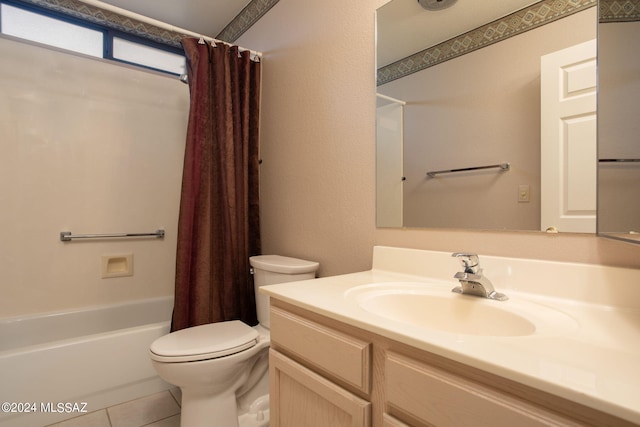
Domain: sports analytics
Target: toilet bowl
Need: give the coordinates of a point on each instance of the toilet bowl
(222, 368)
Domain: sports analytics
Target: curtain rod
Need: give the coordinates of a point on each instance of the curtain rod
(151, 21)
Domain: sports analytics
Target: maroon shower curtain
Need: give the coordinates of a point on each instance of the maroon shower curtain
(219, 227)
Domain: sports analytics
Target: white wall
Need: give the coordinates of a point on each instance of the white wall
(88, 147)
(318, 130)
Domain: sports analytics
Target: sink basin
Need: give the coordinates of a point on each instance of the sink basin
(436, 307)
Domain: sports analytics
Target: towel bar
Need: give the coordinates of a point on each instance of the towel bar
(67, 236)
(502, 166)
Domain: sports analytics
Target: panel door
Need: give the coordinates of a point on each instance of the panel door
(569, 139)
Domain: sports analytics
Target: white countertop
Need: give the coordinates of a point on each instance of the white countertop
(595, 362)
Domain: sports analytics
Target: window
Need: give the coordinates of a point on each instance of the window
(43, 29)
(43, 26)
(136, 53)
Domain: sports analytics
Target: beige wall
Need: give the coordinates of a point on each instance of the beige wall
(88, 147)
(318, 195)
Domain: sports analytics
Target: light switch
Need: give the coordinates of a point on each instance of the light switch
(523, 193)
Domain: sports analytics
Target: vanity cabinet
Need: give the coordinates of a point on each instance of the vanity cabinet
(327, 373)
(303, 397)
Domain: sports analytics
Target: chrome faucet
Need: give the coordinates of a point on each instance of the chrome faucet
(472, 282)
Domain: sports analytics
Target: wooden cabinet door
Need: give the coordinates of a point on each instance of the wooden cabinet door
(300, 397)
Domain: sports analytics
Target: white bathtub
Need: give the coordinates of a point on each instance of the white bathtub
(60, 365)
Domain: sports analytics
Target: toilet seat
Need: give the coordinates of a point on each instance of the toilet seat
(204, 342)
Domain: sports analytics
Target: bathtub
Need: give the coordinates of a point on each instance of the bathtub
(55, 366)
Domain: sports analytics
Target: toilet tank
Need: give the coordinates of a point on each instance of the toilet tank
(274, 269)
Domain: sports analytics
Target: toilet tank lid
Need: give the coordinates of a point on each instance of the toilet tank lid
(282, 264)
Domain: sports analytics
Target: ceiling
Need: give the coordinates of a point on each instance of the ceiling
(405, 28)
(206, 17)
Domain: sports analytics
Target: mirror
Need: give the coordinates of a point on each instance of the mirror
(460, 88)
(618, 125)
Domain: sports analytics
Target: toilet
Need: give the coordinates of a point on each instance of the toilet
(222, 368)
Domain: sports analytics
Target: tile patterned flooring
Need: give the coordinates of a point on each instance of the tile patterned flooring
(158, 410)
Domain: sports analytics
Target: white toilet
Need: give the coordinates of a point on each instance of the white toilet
(222, 368)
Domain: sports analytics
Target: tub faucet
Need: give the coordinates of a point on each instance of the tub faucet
(472, 282)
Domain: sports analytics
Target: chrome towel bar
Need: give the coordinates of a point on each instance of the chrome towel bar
(619, 160)
(502, 166)
(67, 236)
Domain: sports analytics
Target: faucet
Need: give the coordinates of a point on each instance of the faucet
(472, 282)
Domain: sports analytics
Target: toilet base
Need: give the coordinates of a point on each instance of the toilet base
(199, 410)
(198, 413)
(258, 414)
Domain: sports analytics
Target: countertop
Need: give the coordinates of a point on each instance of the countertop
(594, 361)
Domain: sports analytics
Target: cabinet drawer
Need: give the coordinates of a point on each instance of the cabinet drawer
(389, 421)
(416, 391)
(346, 358)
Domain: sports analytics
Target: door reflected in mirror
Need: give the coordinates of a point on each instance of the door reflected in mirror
(469, 96)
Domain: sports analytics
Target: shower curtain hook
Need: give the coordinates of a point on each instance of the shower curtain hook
(201, 41)
(213, 43)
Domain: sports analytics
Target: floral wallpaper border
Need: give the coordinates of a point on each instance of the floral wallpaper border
(526, 19)
(241, 23)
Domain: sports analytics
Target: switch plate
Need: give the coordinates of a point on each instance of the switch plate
(523, 193)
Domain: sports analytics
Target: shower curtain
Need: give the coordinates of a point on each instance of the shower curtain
(218, 228)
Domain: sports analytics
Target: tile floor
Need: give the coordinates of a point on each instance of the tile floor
(157, 410)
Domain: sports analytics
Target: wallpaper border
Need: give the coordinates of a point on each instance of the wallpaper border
(619, 10)
(75, 8)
